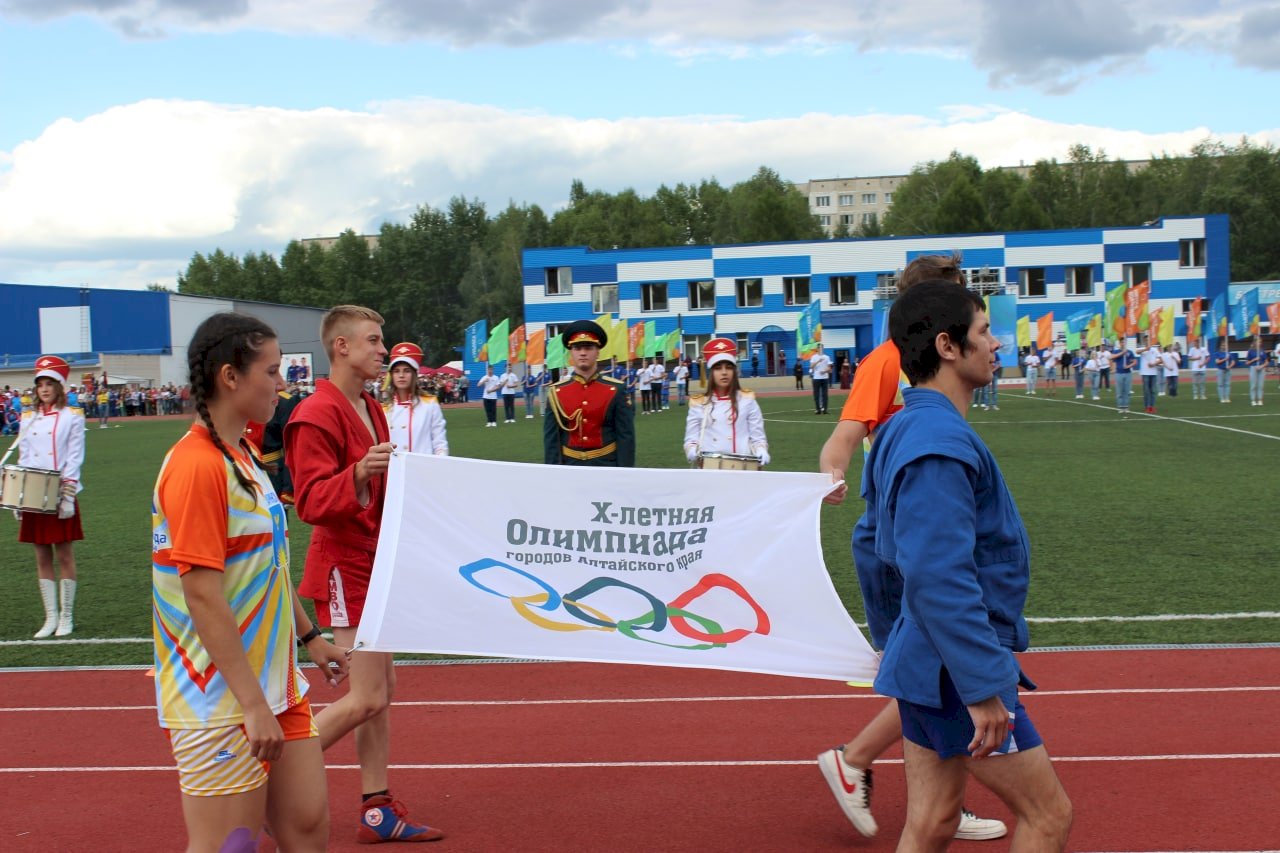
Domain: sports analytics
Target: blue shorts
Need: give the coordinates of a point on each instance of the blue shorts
(949, 730)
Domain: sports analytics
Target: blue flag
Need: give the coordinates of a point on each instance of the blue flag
(1248, 322)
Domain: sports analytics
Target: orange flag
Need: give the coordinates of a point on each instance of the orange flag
(1044, 331)
(1273, 316)
(1136, 317)
(635, 341)
(536, 350)
(1193, 321)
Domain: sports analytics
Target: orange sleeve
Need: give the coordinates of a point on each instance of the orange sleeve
(875, 386)
(193, 498)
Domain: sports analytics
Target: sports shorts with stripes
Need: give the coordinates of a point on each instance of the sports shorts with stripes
(217, 762)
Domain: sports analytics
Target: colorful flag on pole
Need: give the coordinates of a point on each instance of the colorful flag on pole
(1076, 324)
(1248, 318)
(635, 341)
(1093, 331)
(516, 345)
(809, 329)
(1193, 321)
(1220, 317)
(536, 352)
(557, 356)
(1137, 318)
(1002, 310)
(1044, 331)
(1024, 331)
(496, 348)
(650, 338)
(1116, 323)
(476, 336)
(671, 344)
(1166, 326)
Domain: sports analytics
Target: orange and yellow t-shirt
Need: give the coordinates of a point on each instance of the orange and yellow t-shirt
(202, 517)
(877, 390)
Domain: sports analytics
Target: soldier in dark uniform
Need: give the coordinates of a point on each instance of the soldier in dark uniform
(272, 447)
(589, 418)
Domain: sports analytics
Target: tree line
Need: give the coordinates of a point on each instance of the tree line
(444, 269)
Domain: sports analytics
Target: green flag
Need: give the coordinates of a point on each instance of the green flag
(650, 338)
(1115, 325)
(556, 354)
(497, 346)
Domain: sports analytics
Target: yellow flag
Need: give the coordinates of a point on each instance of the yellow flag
(1166, 326)
(1024, 331)
(1093, 332)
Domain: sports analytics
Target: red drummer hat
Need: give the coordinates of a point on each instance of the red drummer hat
(53, 367)
(409, 353)
(718, 350)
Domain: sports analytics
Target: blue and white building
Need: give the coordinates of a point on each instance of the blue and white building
(756, 292)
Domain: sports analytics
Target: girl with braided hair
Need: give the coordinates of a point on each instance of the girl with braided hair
(225, 617)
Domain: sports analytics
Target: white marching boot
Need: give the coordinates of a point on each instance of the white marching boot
(65, 623)
(49, 595)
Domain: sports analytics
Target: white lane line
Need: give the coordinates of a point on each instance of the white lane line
(1158, 417)
(610, 765)
(658, 700)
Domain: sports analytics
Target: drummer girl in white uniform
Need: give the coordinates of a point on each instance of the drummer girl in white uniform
(52, 438)
(727, 418)
(416, 419)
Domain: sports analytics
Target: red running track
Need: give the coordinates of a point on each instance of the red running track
(1159, 750)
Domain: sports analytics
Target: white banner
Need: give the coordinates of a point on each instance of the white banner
(719, 569)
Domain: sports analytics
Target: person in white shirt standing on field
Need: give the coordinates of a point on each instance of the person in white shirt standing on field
(489, 386)
(1198, 360)
(415, 419)
(820, 374)
(511, 385)
(681, 376)
(1051, 371)
(1104, 366)
(1031, 366)
(1149, 366)
(1171, 360)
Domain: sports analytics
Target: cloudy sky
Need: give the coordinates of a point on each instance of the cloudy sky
(134, 133)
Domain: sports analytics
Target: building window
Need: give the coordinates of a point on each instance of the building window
(744, 346)
(886, 285)
(824, 219)
(1136, 274)
(846, 219)
(693, 345)
(1079, 281)
(1191, 253)
(822, 201)
(702, 295)
(844, 290)
(1031, 282)
(868, 198)
(653, 296)
(559, 281)
(604, 299)
(888, 198)
(750, 292)
(846, 199)
(868, 219)
(795, 290)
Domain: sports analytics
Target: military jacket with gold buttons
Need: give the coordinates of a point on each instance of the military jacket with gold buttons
(589, 422)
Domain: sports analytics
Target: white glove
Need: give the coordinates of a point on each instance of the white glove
(691, 452)
(67, 489)
(66, 507)
(762, 453)
(17, 515)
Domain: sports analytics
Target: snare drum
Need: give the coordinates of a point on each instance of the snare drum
(30, 489)
(728, 462)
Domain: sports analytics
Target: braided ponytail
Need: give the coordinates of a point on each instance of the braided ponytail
(222, 339)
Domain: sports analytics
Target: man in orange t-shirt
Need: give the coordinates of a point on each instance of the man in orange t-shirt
(876, 396)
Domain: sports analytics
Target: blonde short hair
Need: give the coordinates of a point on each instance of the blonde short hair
(338, 320)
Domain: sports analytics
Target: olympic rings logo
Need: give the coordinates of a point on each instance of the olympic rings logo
(654, 615)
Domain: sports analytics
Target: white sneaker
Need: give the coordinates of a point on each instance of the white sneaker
(528, 417)
(974, 828)
(852, 788)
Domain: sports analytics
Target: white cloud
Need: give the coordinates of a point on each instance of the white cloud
(1048, 44)
(128, 195)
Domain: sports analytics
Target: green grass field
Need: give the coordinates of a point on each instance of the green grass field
(1136, 517)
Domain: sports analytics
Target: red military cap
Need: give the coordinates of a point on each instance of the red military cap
(53, 367)
(718, 350)
(409, 353)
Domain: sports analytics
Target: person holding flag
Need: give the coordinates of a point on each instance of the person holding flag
(1256, 360)
(589, 418)
(415, 418)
